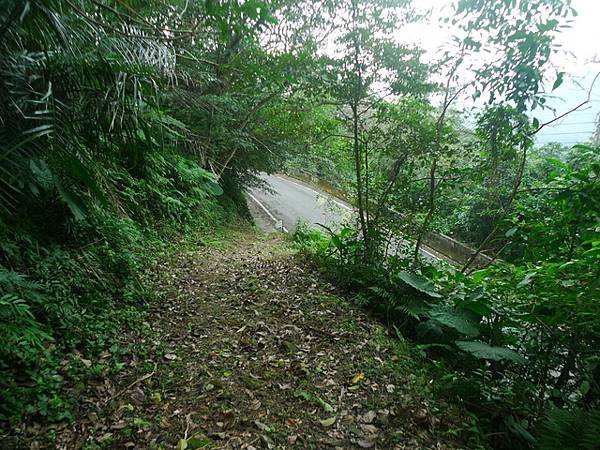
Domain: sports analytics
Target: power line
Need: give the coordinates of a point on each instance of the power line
(566, 144)
(572, 123)
(563, 143)
(569, 132)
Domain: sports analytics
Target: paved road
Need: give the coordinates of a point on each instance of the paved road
(293, 202)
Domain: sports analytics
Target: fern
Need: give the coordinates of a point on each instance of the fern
(20, 333)
(413, 309)
(383, 294)
(17, 283)
(570, 430)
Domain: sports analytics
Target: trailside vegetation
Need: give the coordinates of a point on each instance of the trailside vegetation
(125, 125)
(515, 339)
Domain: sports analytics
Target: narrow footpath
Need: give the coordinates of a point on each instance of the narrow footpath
(248, 348)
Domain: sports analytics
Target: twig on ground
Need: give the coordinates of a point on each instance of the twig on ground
(139, 380)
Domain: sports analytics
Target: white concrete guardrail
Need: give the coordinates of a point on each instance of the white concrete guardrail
(446, 246)
(455, 250)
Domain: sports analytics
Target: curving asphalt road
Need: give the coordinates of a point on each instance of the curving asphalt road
(287, 202)
(293, 202)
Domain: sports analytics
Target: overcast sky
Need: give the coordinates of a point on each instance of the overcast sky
(580, 59)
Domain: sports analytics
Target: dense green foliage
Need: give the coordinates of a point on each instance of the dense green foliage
(114, 139)
(516, 342)
(126, 123)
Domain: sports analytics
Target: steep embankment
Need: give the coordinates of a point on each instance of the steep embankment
(246, 347)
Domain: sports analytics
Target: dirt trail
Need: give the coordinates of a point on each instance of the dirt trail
(249, 348)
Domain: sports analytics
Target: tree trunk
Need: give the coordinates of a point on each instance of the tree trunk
(355, 104)
(430, 212)
(510, 200)
(359, 184)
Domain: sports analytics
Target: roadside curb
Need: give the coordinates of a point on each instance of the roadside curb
(277, 223)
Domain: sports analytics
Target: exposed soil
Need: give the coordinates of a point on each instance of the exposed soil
(247, 348)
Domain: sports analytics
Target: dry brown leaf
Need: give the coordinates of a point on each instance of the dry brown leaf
(369, 417)
(366, 443)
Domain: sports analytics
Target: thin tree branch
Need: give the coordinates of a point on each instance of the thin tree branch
(585, 102)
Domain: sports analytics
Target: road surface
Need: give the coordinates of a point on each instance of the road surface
(292, 202)
(287, 202)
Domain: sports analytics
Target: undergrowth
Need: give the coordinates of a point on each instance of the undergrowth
(69, 288)
(490, 341)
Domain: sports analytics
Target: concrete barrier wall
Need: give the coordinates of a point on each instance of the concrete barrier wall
(455, 250)
(445, 245)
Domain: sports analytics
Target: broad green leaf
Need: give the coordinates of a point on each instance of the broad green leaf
(72, 200)
(214, 188)
(585, 387)
(515, 427)
(326, 406)
(559, 81)
(305, 395)
(557, 162)
(478, 307)
(430, 330)
(42, 174)
(420, 283)
(79, 171)
(525, 281)
(482, 350)
(478, 276)
(313, 398)
(199, 441)
(457, 320)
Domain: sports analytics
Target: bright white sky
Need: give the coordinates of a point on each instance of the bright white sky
(581, 60)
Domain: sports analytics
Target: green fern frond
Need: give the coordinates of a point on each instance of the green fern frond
(570, 430)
